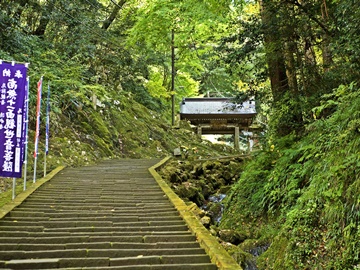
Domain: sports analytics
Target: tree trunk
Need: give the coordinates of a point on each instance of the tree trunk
(20, 9)
(279, 41)
(45, 18)
(113, 14)
(326, 52)
(290, 67)
(275, 59)
(290, 49)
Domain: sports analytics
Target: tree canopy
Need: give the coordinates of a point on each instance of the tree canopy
(300, 59)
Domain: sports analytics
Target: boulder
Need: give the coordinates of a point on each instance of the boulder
(206, 221)
(232, 236)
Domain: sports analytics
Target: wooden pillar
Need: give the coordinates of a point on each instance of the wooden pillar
(199, 131)
(94, 100)
(236, 138)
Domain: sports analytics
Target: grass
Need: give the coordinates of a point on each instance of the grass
(6, 196)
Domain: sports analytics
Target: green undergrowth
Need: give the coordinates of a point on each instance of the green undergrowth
(302, 196)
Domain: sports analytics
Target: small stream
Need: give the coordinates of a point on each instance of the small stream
(214, 203)
(215, 200)
(255, 252)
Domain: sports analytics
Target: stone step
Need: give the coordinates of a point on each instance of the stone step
(73, 214)
(87, 199)
(67, 224)
(128, 228)
(82, 194)
(82, 181)
(21, 228)
(108, 211)
(96, 245)
(69, 182)
(45, 238)
(92, 253)
(84, 206)
(98, 189)
(101, 185)
(133, 218)
(93, 198)
(181, 266)
(92, 234)
(123, 192)
(77, 182)
(154, 261)
(139, 198)
(154, 208)
(68, 190)
(173, 259)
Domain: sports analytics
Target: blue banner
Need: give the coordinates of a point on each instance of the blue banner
(12, 97)
(26, 119)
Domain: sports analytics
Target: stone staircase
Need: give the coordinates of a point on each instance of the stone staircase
(109, 216)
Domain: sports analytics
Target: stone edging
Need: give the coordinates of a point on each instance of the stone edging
(23, 195)
(217, 253)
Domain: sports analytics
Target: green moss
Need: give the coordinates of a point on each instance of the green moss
(241, 257)
(274, 257)
(6, 196)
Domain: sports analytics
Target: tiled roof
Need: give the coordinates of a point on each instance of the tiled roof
(216, 106)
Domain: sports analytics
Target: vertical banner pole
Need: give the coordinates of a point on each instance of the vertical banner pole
(44, 165)
(173, 74)
(26, 130)
(47, 128)
(14, 188)
(34, 178)
(37, 132)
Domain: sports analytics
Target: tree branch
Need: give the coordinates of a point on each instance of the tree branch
(311, 16)
(114, 13)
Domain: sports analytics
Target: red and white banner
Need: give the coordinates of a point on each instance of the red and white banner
(38, 108)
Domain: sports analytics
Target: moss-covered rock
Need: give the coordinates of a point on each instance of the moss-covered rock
(244, 259)
(234, 237)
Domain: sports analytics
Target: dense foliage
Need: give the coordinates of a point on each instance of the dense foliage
(300, 195)
(310, 188)
(110, 70)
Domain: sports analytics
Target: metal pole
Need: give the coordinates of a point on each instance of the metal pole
(172, 77)
(45, 165)
(14, 189)
(35, 161)
(25, 171)
(26, 132)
